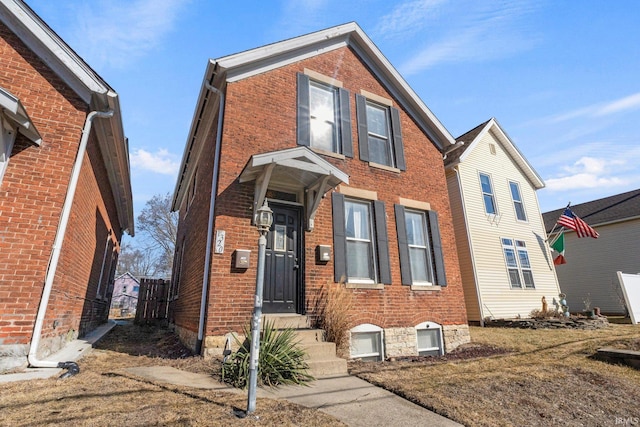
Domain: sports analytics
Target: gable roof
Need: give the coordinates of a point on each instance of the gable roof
(89, 86)
(469, 140)
(612, 209)
(259, 60)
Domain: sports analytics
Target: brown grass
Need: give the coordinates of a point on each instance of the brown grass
(103, 394)
(335, 305)
(548, 379)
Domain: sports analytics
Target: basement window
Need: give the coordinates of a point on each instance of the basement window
(429, 335)
(367, 343)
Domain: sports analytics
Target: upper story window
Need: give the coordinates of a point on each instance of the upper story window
(518, 264)
(517, 201)
(487, 194)
(420, 247)
(379, 133)
(324, 116)
(360, 241)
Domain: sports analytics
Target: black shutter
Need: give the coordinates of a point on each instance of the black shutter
(304, 120)
(398, 144)
(403, 246)
(436, 243)
(345, 123)
(363, 133)
(382, 242)
(339, 238)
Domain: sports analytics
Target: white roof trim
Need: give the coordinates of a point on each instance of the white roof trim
(248, 63)
(13, 109)
(47, 45)
(515, 154)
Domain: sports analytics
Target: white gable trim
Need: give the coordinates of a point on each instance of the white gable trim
(511, 149)
(12, 109)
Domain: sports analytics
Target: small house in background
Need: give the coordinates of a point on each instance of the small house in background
(589, 275)
(349, 159)
(65, 191)
(505, 263)
(124, 299)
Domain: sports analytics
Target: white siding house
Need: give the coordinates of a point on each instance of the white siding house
(590, 271)
(505, 263)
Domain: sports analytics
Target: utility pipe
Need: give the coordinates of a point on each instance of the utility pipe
(34, 362)
(212, 205)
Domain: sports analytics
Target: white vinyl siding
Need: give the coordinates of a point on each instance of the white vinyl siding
(592, 264)
(494, 298)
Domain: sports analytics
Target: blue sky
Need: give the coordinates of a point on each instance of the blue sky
(561, 78)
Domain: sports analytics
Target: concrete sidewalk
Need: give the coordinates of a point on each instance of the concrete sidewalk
(350, 399)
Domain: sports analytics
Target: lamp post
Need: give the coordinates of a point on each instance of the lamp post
(264, 218)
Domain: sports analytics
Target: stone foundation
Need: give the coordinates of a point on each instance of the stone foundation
(455, 336)
(400, 342)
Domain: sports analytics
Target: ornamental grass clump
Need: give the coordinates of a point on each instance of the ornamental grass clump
(281, 360)
(335, 305)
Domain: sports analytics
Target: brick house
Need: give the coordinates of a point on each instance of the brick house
(350, 160)
(65, 192)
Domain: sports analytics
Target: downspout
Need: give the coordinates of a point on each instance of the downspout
(72, 367)
(212, 205)
(473, 262)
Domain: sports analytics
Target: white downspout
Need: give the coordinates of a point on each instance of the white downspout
(57, 248)
(473, 262)
(212, 205)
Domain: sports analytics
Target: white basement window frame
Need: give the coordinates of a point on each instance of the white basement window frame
(367, 343)
(429, 339)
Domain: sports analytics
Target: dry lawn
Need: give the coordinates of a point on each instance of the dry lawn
(103, 394)
(547, 379)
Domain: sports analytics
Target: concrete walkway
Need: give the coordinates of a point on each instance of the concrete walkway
(350, 399)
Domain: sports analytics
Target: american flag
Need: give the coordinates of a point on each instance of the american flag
(570, 220)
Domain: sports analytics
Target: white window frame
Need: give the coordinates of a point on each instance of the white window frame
(492, 194)
(516, 203)
(518, 248)
(427, 248)
(386, 137)
(373, 259)
(430, 326)
(367, 328)
(335, 122)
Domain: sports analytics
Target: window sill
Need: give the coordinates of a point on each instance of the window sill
(328, 153)
(364, 285)
(425, 288)
(384, 167)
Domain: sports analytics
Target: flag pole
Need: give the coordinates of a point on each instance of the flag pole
(554, 228)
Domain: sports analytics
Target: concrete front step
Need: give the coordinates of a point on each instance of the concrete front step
(319, 350)
(284, 321)
(327, 368)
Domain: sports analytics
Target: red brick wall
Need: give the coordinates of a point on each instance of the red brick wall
(260, 116)
(31, 197)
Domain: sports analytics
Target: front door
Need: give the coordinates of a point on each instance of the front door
(282, 272)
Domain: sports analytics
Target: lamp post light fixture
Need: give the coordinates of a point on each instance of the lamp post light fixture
(263, 220)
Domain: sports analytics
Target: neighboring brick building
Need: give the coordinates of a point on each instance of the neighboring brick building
(350, 159)
(65, 192)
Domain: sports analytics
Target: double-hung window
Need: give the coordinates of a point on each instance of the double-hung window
(517, 201)
(487, 194)
(360, 241)
(379, 133)
(518, 264)
(420, 247)
(324, 116)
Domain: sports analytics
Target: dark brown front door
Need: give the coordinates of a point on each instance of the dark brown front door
(282, 274)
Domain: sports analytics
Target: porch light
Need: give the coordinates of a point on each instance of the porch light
(264, 218)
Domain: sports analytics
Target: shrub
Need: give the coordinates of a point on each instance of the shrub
(335, 304)
(280, 362)
(548, 314)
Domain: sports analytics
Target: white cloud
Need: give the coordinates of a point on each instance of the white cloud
(161, 161)
(117, 32)
(465, 30)
(587, 173)
(627, 103)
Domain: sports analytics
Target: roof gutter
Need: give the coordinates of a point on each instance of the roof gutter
(212, 205)
(34, 362)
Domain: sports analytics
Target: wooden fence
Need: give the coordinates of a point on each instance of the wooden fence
(153, 301)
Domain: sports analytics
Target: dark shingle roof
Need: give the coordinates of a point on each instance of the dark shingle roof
(466, 138)
(608, 209)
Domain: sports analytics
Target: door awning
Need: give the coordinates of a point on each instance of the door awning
(296, 169)
(14, 112)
